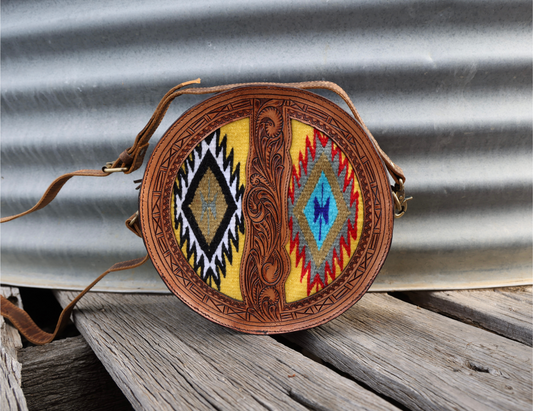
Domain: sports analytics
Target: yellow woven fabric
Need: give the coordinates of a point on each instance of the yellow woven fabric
(325, 212)
(207, 207)
(238, 134)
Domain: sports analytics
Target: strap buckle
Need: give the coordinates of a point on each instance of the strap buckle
(108, 168)
(400, 201)
(130, 221)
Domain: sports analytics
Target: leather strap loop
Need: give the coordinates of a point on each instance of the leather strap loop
(138, 158)
(125, 158)
(27, 327)
(141, 141)
(133, 225)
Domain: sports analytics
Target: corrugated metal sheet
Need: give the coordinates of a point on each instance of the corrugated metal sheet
(445, 86)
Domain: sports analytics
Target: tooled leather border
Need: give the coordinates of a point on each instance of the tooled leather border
(177, 273)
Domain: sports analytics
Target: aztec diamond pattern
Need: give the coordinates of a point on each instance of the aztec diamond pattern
(321, 209)
(324, 211)
(208, 208)
(319, 212)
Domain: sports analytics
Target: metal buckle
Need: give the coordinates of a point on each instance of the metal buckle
(400, 202)
(132, 221)
(108, 168)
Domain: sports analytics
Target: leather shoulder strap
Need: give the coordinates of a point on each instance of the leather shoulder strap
(132, 158)
(27, 327)
(141, 142)
(53, 189)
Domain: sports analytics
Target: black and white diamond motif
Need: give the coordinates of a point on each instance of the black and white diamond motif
(207, 204)
(207, 194)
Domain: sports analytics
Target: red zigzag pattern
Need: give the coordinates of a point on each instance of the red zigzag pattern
(338, 257)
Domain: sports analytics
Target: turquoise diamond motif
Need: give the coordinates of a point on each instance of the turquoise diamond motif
(321, 210)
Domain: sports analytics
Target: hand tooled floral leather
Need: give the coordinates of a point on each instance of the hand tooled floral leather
(267, 243)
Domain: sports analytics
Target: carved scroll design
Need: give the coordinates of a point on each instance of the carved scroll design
(262, 284)
(266, 264)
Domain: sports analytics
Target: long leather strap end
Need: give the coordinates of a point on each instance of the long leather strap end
(22, 321)
(27, 327)
(53, 189)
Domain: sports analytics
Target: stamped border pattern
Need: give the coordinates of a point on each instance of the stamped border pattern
(222, 109)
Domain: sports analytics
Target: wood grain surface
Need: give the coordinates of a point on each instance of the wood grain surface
(422, 359)
(66, 375)
(10, 337)
(506, 311)
(164, 356)
(11, 395)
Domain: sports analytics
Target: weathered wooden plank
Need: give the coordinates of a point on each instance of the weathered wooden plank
(9, 335)
(67, 375)
(11, 395)
(422, 359)
(164, 356)
(508, 312)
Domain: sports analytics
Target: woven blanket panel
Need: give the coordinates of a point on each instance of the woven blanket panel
(325, 212)
(325, 209)
(209, 222)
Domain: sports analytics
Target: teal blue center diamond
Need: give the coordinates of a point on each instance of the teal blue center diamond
(321, 210)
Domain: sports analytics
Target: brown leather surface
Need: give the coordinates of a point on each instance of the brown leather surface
(125, 157)
(132, 224)
(53, 189)
(132, 159)
(141, 142)
(266, 194)
(263, 309)
(22, 321)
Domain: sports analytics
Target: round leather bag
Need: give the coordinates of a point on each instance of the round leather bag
(267, 209)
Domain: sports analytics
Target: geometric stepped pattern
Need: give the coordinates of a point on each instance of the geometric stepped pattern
(325, 212)
(320, 209)
(207, 207)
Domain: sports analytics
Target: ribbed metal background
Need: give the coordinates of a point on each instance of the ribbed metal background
(445, 86)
